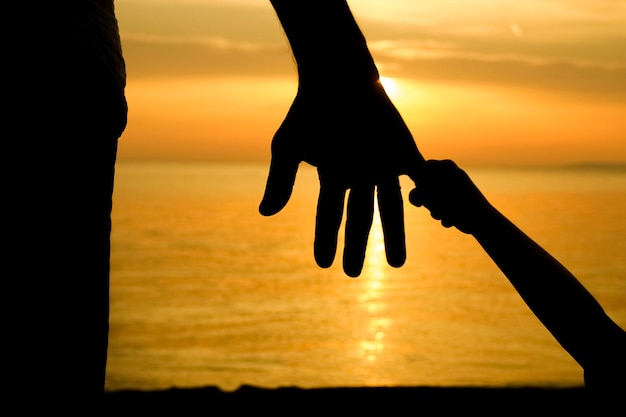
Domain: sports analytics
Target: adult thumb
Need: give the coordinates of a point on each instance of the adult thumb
(279, 185)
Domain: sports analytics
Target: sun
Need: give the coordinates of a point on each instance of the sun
(390, 86)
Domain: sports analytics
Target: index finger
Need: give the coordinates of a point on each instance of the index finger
(328, 219)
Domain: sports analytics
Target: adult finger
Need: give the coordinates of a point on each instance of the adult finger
(360, 212)
(279, 185)
(415, 164)
(328, 221)
(391, 209)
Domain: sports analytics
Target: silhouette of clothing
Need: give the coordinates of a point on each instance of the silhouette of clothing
(65, 112)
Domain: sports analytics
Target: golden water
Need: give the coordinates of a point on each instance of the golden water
(205, 291)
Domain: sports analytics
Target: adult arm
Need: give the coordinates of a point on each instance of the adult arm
(343, 123)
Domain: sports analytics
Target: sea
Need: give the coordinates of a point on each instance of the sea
(207, 292)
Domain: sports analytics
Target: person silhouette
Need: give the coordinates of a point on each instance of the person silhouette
(564, 306)
(342, 122)
(65, 110)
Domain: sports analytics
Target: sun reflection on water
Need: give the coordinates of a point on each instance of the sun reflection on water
(376, 325)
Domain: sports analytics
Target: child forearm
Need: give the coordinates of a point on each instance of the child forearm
(557, 298)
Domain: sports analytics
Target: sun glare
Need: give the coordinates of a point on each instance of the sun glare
(390, 86)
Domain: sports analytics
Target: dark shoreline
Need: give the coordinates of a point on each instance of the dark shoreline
(385, 400)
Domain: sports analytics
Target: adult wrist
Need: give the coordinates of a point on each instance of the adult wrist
(326, 41)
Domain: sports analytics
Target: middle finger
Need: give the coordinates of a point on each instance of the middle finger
(360, 213)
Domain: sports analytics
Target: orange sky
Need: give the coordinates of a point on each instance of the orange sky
(507, 82)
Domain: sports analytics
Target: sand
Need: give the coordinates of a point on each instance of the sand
(383, 401)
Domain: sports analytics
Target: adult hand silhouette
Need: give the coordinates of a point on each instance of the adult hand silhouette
(355, 136)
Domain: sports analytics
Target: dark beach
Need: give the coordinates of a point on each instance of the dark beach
(375, 400)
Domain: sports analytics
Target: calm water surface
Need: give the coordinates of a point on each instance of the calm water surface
(205, 291)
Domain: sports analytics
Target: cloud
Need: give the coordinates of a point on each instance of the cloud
(420, 49)
(425, 60)
(593, 82)
(201, 38)
(584, 65)
(410, 49)
(211, 42)
(564, 48)
(149, 55)
(516, 29)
